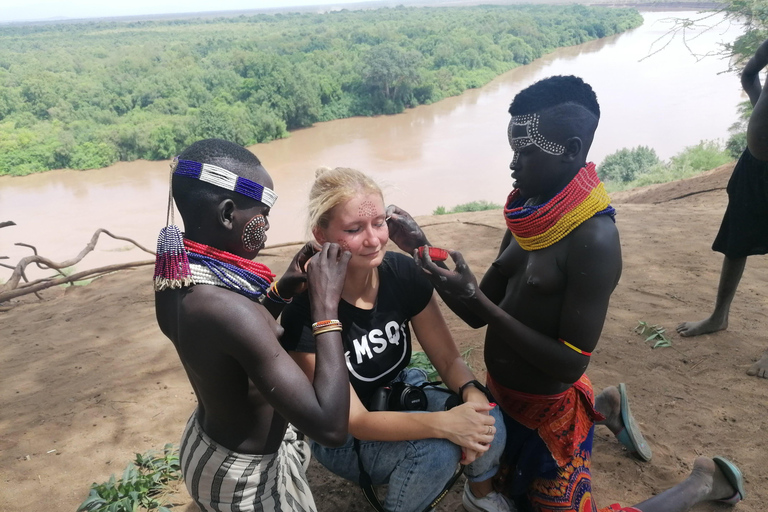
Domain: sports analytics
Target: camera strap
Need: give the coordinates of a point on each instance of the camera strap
(366, 484)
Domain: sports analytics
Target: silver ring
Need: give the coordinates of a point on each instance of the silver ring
(490, 430)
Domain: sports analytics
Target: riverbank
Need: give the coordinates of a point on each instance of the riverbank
(87, 380)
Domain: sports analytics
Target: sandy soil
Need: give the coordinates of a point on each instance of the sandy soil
(87, 379)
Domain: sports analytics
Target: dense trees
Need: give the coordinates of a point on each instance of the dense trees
(83, 95)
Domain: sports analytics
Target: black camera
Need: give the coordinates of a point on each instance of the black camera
(398, 396)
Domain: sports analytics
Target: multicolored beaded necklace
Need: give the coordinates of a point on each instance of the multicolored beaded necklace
(539, 226)
(212, 266)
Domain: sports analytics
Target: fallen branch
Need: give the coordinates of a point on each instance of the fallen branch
(36, 286)
(46, 264)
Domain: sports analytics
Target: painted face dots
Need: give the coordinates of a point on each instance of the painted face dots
(343, 244)
(533, 137)
(255, 233)
(367, 209)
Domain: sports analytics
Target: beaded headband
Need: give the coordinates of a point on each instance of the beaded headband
(533, 138)
(225, 179)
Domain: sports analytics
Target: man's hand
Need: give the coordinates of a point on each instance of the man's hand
(294, 280)
(460, 283)
(403, 230)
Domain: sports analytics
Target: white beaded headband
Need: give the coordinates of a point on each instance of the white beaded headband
(533, 137)
(223, 178)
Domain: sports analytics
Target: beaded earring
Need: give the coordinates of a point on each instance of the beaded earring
(171, 262)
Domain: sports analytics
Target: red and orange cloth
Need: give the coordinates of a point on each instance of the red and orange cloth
(539, 226)
(564, 423)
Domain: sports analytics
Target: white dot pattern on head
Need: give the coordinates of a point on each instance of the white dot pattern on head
(254, 233)
(531, 123)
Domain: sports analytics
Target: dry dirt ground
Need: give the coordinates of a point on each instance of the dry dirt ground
(87, 379)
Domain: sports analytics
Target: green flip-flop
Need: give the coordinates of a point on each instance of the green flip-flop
(630, 436)
(734, 477)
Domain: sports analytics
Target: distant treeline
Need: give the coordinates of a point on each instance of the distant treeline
(85, 95)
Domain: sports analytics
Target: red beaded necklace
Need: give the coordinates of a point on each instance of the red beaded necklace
(259, 269)
(539, 226)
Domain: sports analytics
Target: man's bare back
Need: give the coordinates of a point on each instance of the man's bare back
(218, 308)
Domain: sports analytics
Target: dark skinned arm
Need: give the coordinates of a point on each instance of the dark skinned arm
(592, 267)
(294, 279)
(757, 129)
(408, 236)
(320, 408)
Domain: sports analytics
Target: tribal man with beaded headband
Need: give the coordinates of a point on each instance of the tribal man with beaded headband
(218, 307)
(544, 301)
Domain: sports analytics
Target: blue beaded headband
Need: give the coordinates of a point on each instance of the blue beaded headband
(225, 179)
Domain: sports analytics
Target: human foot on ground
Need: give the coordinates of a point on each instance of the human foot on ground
(715, 482)
(760, 367)
(613, 403)
(706, 326)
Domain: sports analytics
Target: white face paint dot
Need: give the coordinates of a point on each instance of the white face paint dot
(255, 233)
(531, 123)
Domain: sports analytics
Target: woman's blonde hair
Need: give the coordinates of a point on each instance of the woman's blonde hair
(333, 187)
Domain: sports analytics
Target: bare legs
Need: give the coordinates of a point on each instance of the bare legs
(730, 276)
(705, 483)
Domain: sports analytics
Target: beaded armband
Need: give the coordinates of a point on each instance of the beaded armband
(574, 348)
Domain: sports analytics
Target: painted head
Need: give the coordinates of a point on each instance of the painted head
(347, 207)
(216, 196)
(551, 130)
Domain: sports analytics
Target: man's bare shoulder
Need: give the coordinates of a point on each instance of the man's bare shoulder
(233, 317)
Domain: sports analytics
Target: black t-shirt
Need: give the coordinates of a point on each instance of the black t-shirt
(377, 342)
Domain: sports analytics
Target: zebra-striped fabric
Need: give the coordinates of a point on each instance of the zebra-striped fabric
(220, 480)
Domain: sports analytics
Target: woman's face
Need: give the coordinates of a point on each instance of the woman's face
(359, 226)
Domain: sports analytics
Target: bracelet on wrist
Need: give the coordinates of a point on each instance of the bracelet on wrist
(274, 295)
(323, 330)
(325, 326)
(476, 384)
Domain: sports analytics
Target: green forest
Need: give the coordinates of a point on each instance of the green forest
(85, 95)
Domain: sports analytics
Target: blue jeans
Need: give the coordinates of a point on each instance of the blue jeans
(416, 471)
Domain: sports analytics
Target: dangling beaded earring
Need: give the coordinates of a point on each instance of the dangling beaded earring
(171, 263)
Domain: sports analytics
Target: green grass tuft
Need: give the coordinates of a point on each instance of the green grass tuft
(143, 484)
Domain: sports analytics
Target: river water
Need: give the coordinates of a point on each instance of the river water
(451, 152)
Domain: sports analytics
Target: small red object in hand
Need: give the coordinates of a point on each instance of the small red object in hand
(435, 253)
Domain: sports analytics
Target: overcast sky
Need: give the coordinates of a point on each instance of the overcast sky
(31, 10)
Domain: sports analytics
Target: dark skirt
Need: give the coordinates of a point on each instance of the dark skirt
(744, 230)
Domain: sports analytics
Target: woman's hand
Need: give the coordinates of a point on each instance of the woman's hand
(294, 280)
(469, 426)
(326, 272)
(403, 230)
(459, 283)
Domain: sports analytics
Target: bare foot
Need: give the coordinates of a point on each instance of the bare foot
(608, 403)
(712, 478)
(706, 326)
(760, 368)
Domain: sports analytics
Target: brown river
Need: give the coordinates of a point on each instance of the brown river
(448, 153)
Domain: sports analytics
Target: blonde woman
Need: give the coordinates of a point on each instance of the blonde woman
(384, 292)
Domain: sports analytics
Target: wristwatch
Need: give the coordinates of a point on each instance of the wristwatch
(475, 384)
